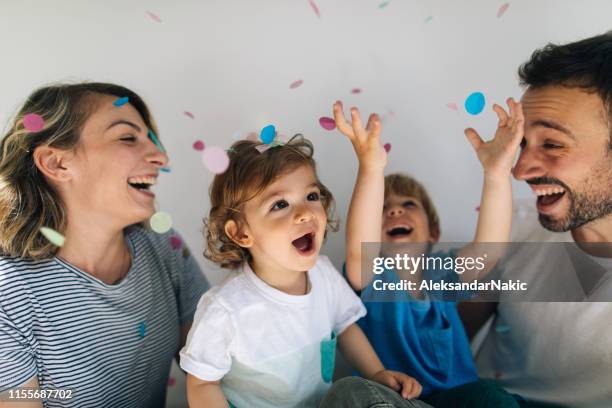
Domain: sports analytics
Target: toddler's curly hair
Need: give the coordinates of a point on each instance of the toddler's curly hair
(248, 174)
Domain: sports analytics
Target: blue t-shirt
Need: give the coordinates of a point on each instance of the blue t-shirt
(422, 338)
(112, 345)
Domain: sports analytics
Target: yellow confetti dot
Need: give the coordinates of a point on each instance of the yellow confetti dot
(53, 236)
(160, 222)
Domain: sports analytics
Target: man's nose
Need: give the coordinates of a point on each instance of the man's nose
(529, 165)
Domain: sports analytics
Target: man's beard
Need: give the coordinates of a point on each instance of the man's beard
(592, 202)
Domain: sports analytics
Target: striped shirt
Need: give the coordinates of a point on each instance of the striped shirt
(111, 344)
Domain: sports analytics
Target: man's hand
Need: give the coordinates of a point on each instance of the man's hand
(366, 142)
(497, 154)
(407, 386)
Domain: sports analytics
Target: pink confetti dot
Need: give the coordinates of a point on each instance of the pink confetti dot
(356, 91)
(327, 123)
(296, 84)
(387, 147)
(198, 145)
(33, 122)
(189, 114)
(215, 159)
(314, 8)
(171, 381)
(502, 9)
(498, 375)
(154, 16)
(452, 106)
(477, 208)
(175, 242)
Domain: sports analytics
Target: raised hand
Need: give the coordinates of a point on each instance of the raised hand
(366, 141)
(497, 154)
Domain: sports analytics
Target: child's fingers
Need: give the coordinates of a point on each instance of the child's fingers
(416, 390)
(340, 120)
(373, 126)
(393, 383)
(357, 126)
(407, 386)
(501, 115)
(474, 138)
(518, 125)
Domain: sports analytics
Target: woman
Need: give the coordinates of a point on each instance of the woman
(100, 318)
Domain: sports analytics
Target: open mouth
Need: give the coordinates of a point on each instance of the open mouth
(142, 184)
(549, 196)
(304, 244)
(399, 232)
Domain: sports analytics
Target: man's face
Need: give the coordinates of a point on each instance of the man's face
(565, 156)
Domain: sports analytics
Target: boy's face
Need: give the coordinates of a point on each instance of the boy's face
(405, 221)
(286, 223)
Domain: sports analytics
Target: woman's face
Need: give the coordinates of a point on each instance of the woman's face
(114, 166)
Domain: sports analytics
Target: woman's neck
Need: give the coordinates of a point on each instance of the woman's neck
(103, 253)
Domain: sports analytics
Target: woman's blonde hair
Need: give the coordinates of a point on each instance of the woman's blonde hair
(27, 200)
(248, 174)
(405, 185)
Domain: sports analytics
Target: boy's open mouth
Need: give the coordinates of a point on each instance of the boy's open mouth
(305, 243)
(396, 232)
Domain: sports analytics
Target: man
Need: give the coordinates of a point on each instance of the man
(560, 353)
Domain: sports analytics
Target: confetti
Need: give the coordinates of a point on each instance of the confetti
(356, 91)
(267, 134)
(165, 169)
(198, 145)
(475, 103)
(502, 328)
(33, 122)
(121, 101)
(175, 242)
(189, 114)
(141, 329)
(215, 159)
(154, 16)
(452, 106)
(477, 208)
(185, 253)
(315, 8)
(296, 84)
(160, 222)
(384, 4)
(387, 147)
(502, 9)
(156, 141)
(53, 236)
(428, 19)
(498, 375)
(327, 123)
(171, 381)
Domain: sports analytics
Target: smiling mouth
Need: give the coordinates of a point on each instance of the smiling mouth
(142, 184)
(305, 243)
(400, 232)
(549, 196)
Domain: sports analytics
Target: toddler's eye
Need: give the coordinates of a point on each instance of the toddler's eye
(279, 205)
(313, 196)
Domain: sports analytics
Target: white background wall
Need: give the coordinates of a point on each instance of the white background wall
(230, 63)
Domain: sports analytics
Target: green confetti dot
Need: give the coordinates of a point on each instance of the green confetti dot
(160, 222)
(53, 236)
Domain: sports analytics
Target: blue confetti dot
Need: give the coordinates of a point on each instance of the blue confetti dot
(121, 101)
(502, 328)
(165, 169)
(267, 134)
(141, 329)
(475, 103)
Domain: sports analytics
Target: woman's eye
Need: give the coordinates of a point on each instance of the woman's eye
(313, 196)
(128, 138)
(279, 205)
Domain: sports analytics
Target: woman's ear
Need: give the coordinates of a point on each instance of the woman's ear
(52, 163)
(240, 236)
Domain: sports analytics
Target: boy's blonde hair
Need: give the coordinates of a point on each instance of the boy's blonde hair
(405, 185)
(248, 174)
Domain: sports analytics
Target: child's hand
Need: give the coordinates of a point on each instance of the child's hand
(366, 142)
(407, 386)
(498, 154)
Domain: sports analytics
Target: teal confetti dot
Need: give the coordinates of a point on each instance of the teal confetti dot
(121, 101)
(156, 141)
(267, 134)
(475, 103)
(141, 329)
(502, 328)
(165, 169)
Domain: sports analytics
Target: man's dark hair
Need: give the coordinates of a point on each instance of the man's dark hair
(585, 64)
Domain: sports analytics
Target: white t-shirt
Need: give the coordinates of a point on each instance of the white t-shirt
(268, 347)
(557, 352)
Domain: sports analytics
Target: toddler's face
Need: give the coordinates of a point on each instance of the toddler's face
(286, 222)
(405, 220)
